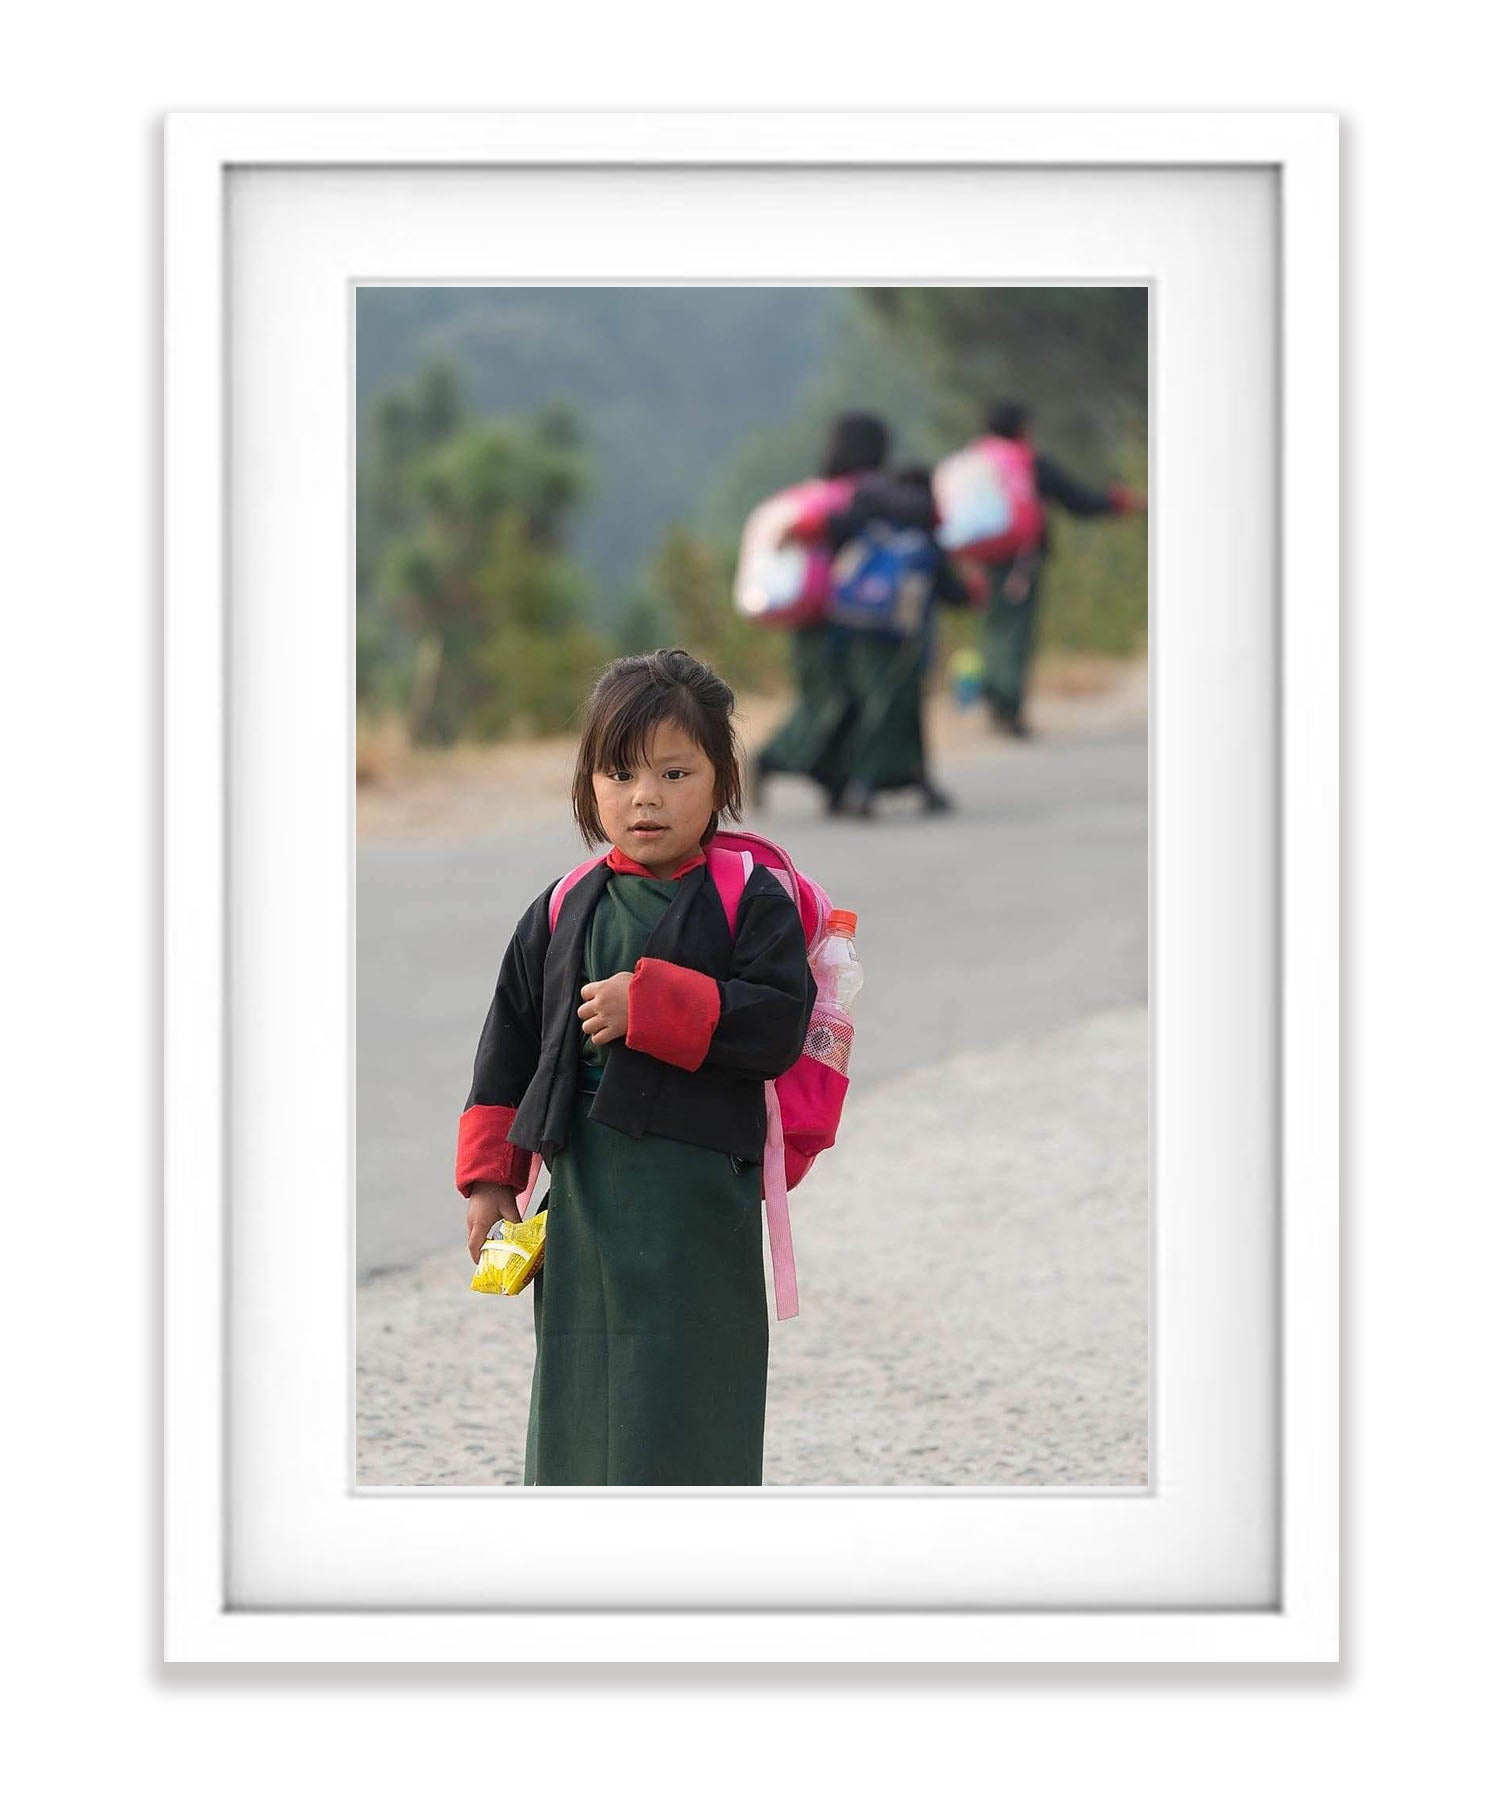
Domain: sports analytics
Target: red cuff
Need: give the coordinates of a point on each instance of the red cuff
(1126, 500)
(484, 1151)
(671, 1012)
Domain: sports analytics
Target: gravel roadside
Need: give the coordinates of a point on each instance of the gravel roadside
(972, 1261)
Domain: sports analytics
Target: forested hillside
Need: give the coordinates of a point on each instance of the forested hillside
(548, 477)
(667, 381)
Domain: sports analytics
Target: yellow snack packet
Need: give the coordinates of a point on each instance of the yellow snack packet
(510, 1256)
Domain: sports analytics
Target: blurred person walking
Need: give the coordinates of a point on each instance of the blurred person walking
(1008, 632)
(813, 740)
(889, 576)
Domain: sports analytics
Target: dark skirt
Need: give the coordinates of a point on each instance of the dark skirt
(883, 747)
(811, 739)
(1008, 641)
(651, 1327)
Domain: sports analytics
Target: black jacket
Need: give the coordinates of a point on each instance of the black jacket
(529, 1049)
(881, 496)
(1054, 483)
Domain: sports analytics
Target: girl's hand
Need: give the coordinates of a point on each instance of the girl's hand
(489, 1202)
(606, 1010)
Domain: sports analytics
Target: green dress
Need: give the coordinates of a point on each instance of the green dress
(811, 739)
(883, 747)
(1008, 641)
(650, 1309)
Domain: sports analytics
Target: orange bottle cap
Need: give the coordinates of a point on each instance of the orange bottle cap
(843, 921)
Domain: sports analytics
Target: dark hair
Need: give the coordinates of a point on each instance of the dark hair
(1009, 419)
(915, 475)
(630, 699)
(857, 442)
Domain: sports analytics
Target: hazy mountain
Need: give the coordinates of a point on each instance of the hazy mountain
(669, 382)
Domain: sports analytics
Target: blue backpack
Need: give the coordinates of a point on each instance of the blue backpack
(883, 580)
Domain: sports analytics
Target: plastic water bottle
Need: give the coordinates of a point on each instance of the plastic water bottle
(837, 971)
(836, 965)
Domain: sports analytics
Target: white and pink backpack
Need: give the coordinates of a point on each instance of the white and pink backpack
(784, 575)
(987, 499)
(803, 1106)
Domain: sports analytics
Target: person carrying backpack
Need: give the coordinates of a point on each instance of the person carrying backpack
(889, 576)
(648, 1041)
(813, 739)
(1022, 481)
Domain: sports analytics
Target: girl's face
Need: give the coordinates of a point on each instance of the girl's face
(658, 811)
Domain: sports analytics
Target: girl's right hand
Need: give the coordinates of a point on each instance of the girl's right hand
(488, 1203)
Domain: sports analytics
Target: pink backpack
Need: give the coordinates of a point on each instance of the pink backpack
(803, 1105)
(783, 577)
(986, 495)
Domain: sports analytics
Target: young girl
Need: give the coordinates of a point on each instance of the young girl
(630, 1047)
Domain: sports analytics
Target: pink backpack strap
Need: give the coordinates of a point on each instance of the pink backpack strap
(566, 886)
(730, 870)
(778, 1215)
(811, 902)
(526, 1199)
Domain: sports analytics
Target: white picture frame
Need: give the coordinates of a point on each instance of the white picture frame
(221, 773)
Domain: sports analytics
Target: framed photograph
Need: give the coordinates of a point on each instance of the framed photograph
(1063, 1385)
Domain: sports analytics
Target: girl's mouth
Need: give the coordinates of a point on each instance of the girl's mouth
(647, 830)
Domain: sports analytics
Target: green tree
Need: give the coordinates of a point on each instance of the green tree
(483, 585)
(403, 427)
(645, 624)
(688, 600)
(691, 582)
(1077, 356)
(1096, 578)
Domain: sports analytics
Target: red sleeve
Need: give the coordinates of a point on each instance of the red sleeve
(671, 1012)
(484, 1151)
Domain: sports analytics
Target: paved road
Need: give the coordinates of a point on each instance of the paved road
(1021, 914)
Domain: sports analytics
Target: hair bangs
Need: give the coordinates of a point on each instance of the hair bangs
(627, 731)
